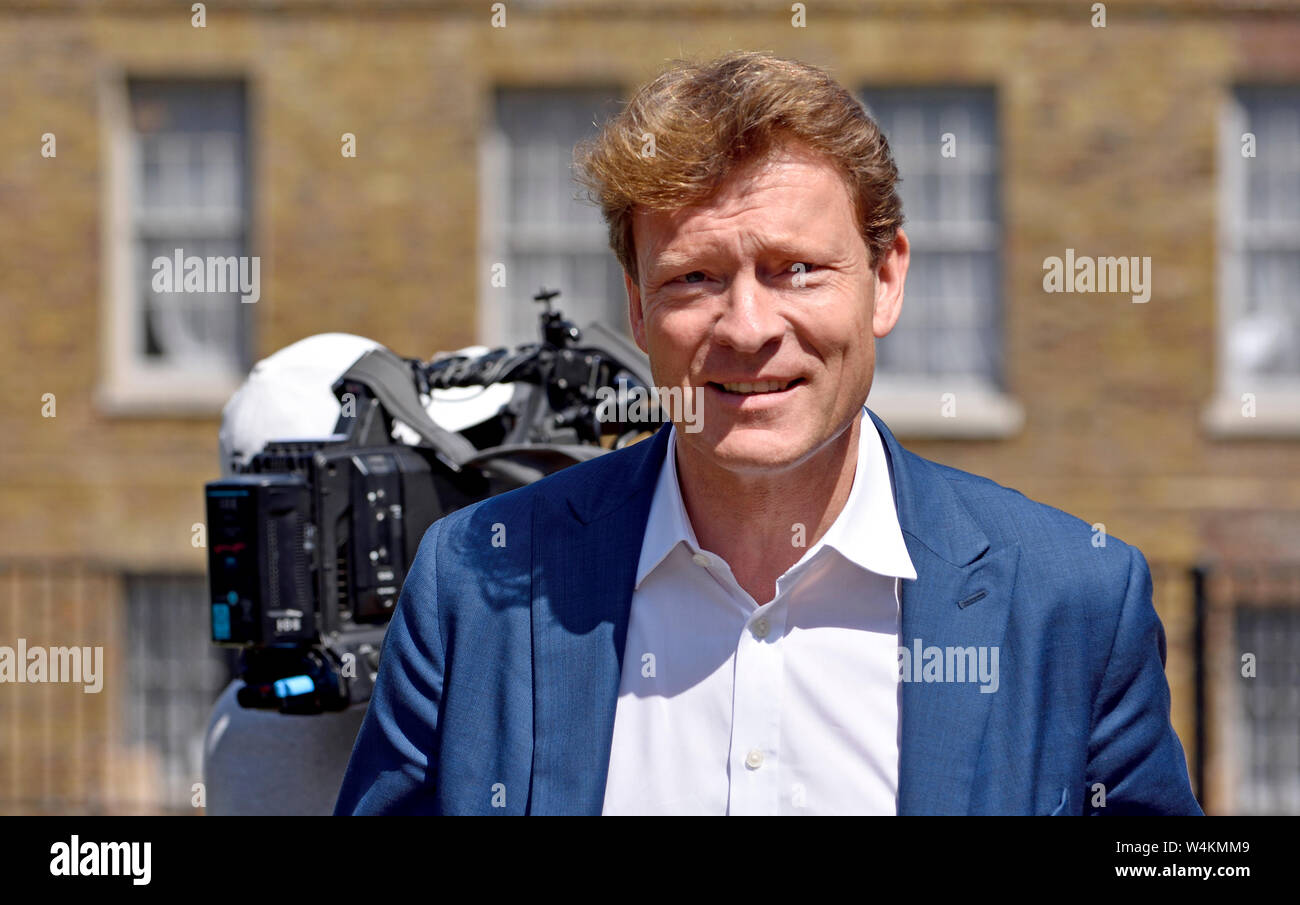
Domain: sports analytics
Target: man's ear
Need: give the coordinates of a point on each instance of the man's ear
(890, 276)
(634, 313)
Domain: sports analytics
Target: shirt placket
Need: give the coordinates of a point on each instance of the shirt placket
(755, 764)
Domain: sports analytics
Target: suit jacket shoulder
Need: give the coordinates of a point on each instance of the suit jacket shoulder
(1090, 568)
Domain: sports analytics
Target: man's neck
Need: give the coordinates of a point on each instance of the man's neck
(762, 524)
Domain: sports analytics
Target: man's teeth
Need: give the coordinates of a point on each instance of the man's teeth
(766, 386)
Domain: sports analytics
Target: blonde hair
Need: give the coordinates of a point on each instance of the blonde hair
(707, 119)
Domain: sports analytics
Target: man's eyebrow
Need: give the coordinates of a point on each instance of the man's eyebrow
(678, 257)
(793, 247)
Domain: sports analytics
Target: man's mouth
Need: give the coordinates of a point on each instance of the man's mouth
(756, 388)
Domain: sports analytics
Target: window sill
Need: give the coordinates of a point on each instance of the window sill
(1276, 414)
(165, 395)
(950, 409)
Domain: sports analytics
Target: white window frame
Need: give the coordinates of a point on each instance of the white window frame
(496, 303)
(1276, 400)
(956, 406)
(128, 385)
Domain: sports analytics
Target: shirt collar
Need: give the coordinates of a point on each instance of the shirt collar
(667, 524)
(866, 532)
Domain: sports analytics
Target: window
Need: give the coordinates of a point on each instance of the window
(178, 186)
(535, 221)
(1268, 712)
(949, 337)
(174, 676)
(1259, 242)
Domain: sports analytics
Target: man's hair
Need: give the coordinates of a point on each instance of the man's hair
(708, 119)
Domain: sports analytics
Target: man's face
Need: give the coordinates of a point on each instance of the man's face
(769, 284)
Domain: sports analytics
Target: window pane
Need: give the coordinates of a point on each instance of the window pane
(174, 676)
(1269, 707)
(1264, 325)
(202, 327)
(549, 236)
(190, 193)
(944, 141)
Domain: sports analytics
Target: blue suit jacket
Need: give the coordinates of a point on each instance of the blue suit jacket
(500, 670)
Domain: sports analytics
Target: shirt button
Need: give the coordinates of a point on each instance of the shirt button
(700, 559)
(760, 628)
(754, 759)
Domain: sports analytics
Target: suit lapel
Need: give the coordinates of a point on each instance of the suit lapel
(585, 554)
(943, 722)
(961, 598)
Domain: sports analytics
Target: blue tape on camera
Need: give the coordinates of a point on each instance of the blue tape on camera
(220, 622)
(294, 685)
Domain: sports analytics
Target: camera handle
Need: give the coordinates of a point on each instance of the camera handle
(386, 380)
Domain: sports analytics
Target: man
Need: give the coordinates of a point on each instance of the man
(716, 621)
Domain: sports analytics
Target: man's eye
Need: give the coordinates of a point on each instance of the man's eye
(802, 267)
(686, 278)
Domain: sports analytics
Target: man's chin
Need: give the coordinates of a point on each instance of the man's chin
(752, 450)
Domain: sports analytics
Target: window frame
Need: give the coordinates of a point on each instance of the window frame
(495, 240)
(128, 385)
(1276, 401)
(915, 405)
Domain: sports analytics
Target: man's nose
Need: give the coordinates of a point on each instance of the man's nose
(751, 319)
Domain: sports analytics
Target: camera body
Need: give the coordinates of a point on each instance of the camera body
(309, 545)
(311, 548)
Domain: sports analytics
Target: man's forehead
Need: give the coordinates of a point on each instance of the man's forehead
(781, 213)
(687, 244)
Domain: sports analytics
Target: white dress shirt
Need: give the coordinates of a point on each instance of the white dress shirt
(728, 707)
